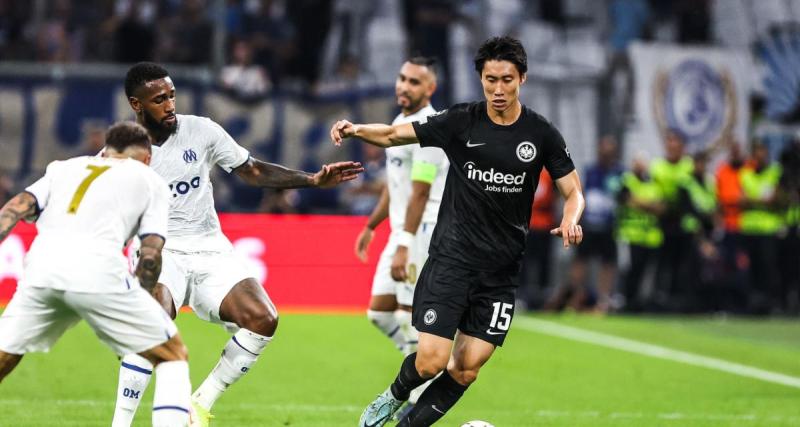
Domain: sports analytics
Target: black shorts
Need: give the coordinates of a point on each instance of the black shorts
(449, 298)
(599, 244)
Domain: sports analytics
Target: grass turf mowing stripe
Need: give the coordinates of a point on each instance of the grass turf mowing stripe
(638, 347)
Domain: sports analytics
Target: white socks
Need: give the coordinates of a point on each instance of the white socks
(172, 397)
(410, 333)
(387, 323)
(134, 375)
(239, 354)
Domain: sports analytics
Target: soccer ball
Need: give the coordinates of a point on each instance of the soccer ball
(476, 423)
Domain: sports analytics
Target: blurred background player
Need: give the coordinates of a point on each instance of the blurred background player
(88, 208)
(200, 267)
(601, 186)
(464, 300)
(411, 199)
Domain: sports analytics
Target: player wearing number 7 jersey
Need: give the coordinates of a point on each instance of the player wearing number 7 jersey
(497, 148)
(88, 208)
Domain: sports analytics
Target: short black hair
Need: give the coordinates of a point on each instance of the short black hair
(122, 135)
(142, 73)
(424, 61)
(502, 49)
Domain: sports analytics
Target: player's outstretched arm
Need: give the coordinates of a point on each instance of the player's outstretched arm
(21, 206)
(270, 175)
(149, 267)
(569, 186)
(383, 136)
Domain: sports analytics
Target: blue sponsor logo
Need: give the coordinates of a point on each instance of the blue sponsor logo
(189, 156)
(183, 187)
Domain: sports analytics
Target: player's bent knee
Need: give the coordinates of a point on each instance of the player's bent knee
(431, 363)
(259, 319)
(465, 376)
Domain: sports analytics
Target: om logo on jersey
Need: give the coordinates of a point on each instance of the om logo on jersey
(189, 156)
(526, 151)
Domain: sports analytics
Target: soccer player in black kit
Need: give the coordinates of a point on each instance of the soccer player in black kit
(464, 300)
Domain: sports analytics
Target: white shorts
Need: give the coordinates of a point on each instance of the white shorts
(382, 282)
(128, 322)
(202, 280)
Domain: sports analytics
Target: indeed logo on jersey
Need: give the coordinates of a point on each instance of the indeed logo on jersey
(504, 180)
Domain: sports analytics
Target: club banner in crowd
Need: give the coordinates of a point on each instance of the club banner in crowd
(304, 261)
(703, 93)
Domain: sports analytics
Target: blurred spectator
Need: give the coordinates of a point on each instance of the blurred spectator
(134, 31)
(54, 38)
(668, 173)
(234, 18)
(761, 221)
(641, 203)
(602, 185)
(628, 23)
(730, 197)
(243, 79)
(345, 77)
(316, 15)
(362, 194)
(14, 15)
(346, 44)
(701, 265)
(187, 39)
(428, 24)
(536, 264)
(272, 37)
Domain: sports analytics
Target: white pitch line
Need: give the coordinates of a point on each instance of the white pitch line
(638, 347)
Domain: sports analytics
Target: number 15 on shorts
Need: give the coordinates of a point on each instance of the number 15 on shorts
(501, 316)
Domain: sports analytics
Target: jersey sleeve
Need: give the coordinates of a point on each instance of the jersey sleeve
(557, 160)
(41, 188)
(438, 129)
(225, 152)
(156, 213)
(425, 163)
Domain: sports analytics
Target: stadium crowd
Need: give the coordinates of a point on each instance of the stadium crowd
(696, 234)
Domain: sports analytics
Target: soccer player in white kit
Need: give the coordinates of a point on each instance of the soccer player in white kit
(200, 267)
(88, 208)
(411, 198)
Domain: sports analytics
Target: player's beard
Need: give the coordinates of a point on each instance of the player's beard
(159, 129)
(413, 104)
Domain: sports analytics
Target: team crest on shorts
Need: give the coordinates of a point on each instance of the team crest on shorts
(526, 151)
(430, 316)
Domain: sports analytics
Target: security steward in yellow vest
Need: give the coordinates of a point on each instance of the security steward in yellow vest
(640, 204)
(669, 173)
(762, 220)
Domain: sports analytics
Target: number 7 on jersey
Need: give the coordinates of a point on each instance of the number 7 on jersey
(81, 191)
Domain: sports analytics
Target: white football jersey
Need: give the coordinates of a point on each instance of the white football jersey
(185, 161)
(90, 207)
(399, 161)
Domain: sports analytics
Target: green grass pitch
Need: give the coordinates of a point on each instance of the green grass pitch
(321, 370)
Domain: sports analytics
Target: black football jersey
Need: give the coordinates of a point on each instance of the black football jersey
(494, 171)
